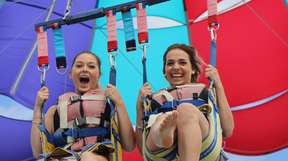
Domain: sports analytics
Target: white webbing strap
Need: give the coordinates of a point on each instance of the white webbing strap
(93, 98)
(63, 113)
(88, 120)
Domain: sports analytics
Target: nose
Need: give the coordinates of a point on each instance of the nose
(85, 68)
(176, 66)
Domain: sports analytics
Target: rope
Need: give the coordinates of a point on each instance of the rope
(68, 9)
(270, 28)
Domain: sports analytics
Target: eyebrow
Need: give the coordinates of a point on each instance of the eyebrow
(84, 62)
(177, 60)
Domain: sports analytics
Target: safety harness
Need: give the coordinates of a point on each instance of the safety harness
(197, 94)
(88, 116)
(168, 99)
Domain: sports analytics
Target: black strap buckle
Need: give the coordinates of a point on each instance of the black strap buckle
(79, 122)
(74, 99)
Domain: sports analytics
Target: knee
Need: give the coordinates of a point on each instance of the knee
(87, 156)
(188, 113)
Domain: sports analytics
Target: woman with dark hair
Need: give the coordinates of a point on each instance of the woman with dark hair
(185, 121)
(81, 125)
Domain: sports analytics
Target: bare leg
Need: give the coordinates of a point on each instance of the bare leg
(192, 129)
(90, 156)
(162, 131)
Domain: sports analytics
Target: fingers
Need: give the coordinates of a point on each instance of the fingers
(210, 71)
(108, 91)
(44, 88)
(42, 95)
(209, 67)
(110, 86)
(111, 91)
(147, 86)
(213, 75)
(145, 90)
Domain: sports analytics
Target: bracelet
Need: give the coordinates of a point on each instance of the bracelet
(37, 118)
(36, 122)
(139, 128)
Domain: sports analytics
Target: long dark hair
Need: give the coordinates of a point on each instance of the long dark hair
(195, 60)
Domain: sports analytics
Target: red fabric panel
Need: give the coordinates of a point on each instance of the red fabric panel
(252, 52)
(134, 155)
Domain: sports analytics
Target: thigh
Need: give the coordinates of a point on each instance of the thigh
(187, 111)
(87, 156)
(204, 125)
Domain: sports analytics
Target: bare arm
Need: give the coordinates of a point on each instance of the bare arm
(226, 117)
(35, 132)
(139, 128)
(143, 92)
(125, 127)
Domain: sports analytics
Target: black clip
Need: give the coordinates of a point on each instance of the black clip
(74, 99)
(195, 96)
(79, 122)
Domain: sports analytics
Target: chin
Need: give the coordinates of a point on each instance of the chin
(177, 84)
(82, 91)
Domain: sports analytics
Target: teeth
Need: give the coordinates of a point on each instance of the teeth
(84, 76)
(176, 75)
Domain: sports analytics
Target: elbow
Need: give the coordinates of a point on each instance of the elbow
(36, 155)
(36, 152)
(139, 148)
(129, 148)
(227, 135)
(130, 145)
(228, 132)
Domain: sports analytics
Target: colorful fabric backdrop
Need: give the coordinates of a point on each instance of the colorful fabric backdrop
(252, 47)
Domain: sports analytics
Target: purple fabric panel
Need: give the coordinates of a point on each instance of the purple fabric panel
(16, 40)
(17, 37)
(15, 140)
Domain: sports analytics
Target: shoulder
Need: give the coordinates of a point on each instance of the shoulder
(51, 110)
(67, 95)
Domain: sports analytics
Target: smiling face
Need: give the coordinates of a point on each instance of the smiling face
(178, 69)
(85, 72)
(181, 64)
